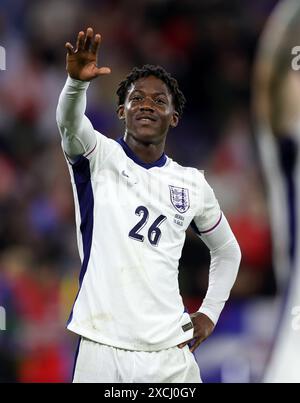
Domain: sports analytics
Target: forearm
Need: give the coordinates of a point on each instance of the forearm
(225, 261)
(78, 135)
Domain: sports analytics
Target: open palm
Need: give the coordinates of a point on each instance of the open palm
(82, 61)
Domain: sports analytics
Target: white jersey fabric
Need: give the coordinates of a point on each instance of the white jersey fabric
(131, 222)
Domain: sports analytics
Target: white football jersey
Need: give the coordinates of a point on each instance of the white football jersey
(131, 222)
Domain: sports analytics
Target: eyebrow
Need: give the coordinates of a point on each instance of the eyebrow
(154, 93)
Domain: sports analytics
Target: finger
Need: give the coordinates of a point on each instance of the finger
(70, 48)
(88, 38)
(96, 44)
(80, 41)
(184, 343)
(193, 348)
(102, 70)
(196, 345)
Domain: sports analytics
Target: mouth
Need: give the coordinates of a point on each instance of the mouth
(146, 119)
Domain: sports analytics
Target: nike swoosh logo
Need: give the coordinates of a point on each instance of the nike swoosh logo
(125, 174)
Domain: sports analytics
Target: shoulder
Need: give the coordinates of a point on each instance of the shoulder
(95, 159)
(103, 139)
(104, 146)
(196, 174)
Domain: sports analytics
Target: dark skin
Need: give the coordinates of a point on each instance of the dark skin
(148, 113)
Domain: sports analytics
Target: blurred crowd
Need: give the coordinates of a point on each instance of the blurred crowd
(209, 46)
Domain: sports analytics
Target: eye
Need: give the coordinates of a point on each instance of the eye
(160, 101)
(136, 98)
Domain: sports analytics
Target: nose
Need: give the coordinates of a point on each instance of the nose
(147, 105)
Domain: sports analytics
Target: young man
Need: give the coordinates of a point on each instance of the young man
(133, 206)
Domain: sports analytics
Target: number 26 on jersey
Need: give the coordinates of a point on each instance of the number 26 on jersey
(154, 232)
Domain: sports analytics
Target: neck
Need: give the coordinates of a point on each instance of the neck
(147, 152)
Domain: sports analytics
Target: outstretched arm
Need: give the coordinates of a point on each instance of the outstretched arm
(78, 135)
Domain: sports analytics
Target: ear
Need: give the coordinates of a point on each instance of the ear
(120, 112)
(174, 119)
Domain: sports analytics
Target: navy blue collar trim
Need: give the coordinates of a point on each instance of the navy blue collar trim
(147, 165)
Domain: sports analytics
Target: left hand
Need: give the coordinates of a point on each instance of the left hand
(203, 327)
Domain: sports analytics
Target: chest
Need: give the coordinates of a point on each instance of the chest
(155, 197)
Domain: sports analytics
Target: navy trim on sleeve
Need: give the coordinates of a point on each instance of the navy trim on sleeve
(195, 228)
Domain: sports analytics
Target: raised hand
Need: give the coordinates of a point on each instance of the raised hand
(82, 62)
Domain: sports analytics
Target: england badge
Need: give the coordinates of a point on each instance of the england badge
(180, 198)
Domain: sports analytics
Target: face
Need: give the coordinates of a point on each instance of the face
(148, 110)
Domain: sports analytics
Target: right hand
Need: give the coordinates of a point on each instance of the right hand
(82, 62)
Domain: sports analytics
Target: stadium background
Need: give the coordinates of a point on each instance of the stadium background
(210, 47)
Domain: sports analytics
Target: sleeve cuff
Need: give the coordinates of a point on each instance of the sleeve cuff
(77, 84)
(213, 311)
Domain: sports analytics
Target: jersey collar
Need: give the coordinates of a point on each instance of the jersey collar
(147, 165)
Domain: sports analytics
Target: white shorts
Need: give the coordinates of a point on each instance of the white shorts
(98, 363)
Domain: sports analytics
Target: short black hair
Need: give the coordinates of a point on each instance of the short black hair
(159, 72)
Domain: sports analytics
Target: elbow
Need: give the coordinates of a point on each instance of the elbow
(237, 252)
(58, 115)
(231, 252)
(234, 251)
(230, 249)
(238, 258)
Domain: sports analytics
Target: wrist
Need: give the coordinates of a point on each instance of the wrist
(212, 309)
(78, 84)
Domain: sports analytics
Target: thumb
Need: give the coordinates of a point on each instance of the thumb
(102, 70)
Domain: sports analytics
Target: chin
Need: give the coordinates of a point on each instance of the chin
(147, 135)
